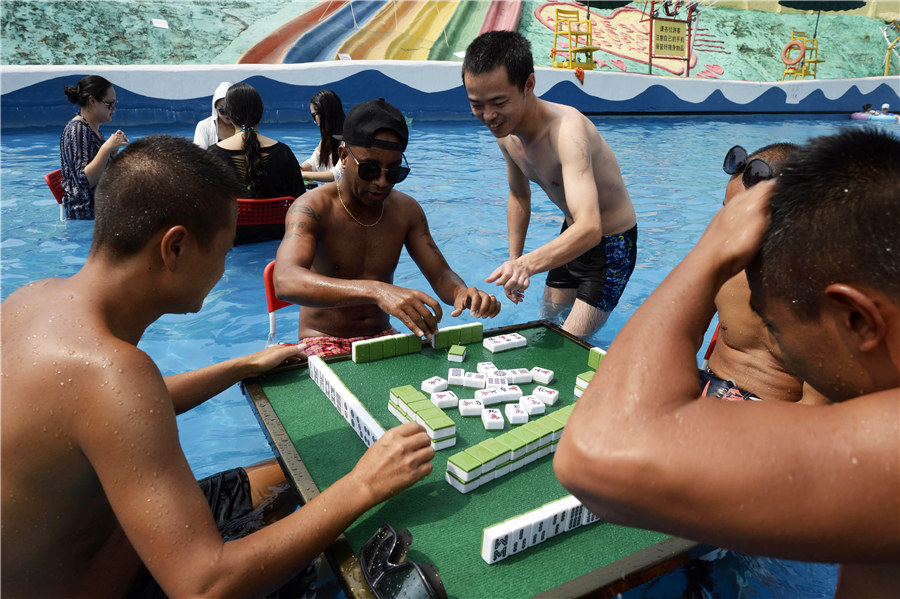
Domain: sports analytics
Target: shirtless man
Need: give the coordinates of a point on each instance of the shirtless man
(343, 241)
(558, 148)
(94, 481)
(769, 478)
(745, 362)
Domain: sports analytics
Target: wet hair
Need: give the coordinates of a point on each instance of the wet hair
(92, 86)
(494, 48)
(157, 182)
(835, 218)
(866, 107)
(331, 122)
(244, 106)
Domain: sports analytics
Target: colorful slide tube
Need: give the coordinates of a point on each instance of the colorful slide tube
(273, 48)
(322, 42)
(401, 31)
(502, 15)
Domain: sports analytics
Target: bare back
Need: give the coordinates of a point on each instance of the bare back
(544, 158)
(53, 364)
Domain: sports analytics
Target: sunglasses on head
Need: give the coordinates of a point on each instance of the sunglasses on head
(753, 172)
(369, 171)
(383, 564)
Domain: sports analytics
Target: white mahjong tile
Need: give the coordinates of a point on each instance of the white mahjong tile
(492, 419)
(434, 384)
(532, 405)
(491, 344)
(459, 486)
(445, 399)
(456, 376)
(518, 340)
(541, 375)
(496, 381)
(515, 413)
(474, 380)
(489, 397)
(470, 407)
(520, 533)
(485, 367)
(495, 543)
(578, 392)
(513, 393)
(520, 376)
(540, 525)
(546, 394)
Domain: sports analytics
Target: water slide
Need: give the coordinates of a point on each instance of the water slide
(502, 15)
(401, 31)
(383, 29)
(273, 48)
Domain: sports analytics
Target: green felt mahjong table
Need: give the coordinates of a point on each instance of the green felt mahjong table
(317, 446)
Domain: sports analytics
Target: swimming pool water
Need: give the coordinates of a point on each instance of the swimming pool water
(672, 167)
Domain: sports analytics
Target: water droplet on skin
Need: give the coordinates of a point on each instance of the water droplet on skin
(854, 461)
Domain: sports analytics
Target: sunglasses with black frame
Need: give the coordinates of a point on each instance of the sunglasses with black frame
(753, 172)
(389, 574)
(369, 171)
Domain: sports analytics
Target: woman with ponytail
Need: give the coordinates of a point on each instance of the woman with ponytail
(267, 167)
(83, 151)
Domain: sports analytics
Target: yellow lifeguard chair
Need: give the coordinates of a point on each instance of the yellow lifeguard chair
(578, 35)
(800, 57)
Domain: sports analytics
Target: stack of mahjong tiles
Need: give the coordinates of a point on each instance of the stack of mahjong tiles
(369, 350)
(500, 343)
(461, 334)
(497, 456)
(346, 403)
(536, 526)
(409, 404)
(584, 379)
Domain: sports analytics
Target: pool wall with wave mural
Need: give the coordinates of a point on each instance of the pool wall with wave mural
(32, 95)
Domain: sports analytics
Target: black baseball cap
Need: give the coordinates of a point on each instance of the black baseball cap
(370, 116)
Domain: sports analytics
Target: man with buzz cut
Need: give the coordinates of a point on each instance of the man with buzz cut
(820, 246)
(558, 148)
(343, 241)
(98, 498)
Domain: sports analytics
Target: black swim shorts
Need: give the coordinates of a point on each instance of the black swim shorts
(229, 497)
(713, 386)
(601, 273)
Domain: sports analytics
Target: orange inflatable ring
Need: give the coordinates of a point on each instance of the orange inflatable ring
(792, 61)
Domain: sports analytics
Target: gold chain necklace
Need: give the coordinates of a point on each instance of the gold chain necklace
(338, 183)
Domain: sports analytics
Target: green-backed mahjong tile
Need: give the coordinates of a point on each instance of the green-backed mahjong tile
(457, 350)
(496, 447)
(401, 345)
(376, 350)
(362, 352)
(388, 347)
(510, 442)
(415, 344)
(594, 358)
(418, 405)
(479, 453)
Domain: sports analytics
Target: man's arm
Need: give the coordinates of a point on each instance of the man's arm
(133, 446)
(448, 285)
(642, 449)
(582, 200)
(190, 389)
(296, 282)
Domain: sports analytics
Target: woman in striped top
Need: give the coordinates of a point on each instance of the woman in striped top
(83, 151)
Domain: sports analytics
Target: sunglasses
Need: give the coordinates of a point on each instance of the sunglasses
(382, 560)
(111, 105)
(753, 172)
(369, 171)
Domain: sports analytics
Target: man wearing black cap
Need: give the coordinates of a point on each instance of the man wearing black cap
(343, 240)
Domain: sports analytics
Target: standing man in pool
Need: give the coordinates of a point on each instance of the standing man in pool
(98, 498)
(343, 241)
(769, 478)
(558, 148)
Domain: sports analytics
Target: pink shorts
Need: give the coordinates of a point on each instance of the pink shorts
(330, 346)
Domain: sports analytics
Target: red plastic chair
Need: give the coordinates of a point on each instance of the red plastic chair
(264, 211)
(54, 182)
(272, 303)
